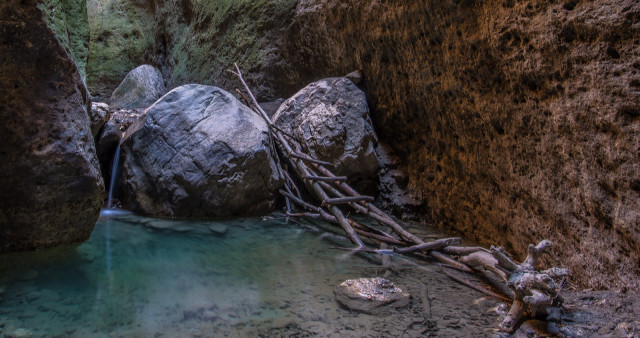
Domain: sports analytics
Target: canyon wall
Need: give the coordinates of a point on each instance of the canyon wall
(52, 189)
(515, 120)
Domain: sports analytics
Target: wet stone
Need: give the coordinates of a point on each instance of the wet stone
(371, 295)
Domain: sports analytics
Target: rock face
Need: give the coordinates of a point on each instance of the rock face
(371, 295)
(331, 118)
(51, 184)
(139, 89)
(199, 153)
(514, 120)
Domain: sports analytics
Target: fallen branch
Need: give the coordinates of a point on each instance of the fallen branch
(309, 159)
(345, 200)
(476, 287)
(326, 179)
(435, 245)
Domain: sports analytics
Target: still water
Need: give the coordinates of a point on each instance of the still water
(265, 276)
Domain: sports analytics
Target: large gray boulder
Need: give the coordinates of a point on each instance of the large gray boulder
(51, 188)
(139, 89)
(198, 152)
(331, 119)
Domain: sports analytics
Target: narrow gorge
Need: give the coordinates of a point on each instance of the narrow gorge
(504, 123)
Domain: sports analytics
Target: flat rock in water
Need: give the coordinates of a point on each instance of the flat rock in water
(218, 229)
(371, 295)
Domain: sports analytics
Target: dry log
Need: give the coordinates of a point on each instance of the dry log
(435, 245)
(450, 261)
(386, 220)
(461, 250)
(503, 260)
(534, 253)
(485, 260)
(326, 179)
(534, 291)
(300, 202)
(513, 317)
(346, 200)
(372, 208)
(309, 159)
(475, 287)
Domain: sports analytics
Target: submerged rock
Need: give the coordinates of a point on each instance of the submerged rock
(371, 295)
(51, 185)
(331, 119)
(139, 89)
(198, 152)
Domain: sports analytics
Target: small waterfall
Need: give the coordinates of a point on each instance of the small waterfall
(114, 175)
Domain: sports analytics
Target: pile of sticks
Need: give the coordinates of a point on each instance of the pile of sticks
(334, 192)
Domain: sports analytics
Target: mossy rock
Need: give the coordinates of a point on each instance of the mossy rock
(68, 20)
(122, 38)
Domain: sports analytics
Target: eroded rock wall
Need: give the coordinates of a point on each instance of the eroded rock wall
(51, 185)
(516, 120)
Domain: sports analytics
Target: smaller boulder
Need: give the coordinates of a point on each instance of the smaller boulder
(331, 119)
(99, 115)
(371, 295)
(139, 89)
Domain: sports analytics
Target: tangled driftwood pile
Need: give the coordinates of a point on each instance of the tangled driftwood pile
(532, 291)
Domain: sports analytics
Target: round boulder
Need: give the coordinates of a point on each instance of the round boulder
(331, 119)
(198, 152)
(139, 89)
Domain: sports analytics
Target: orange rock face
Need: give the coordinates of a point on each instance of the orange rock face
(516, 120)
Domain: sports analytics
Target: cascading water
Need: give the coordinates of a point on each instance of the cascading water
(114, 175)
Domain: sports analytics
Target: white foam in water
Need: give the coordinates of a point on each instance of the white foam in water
(113, 212)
